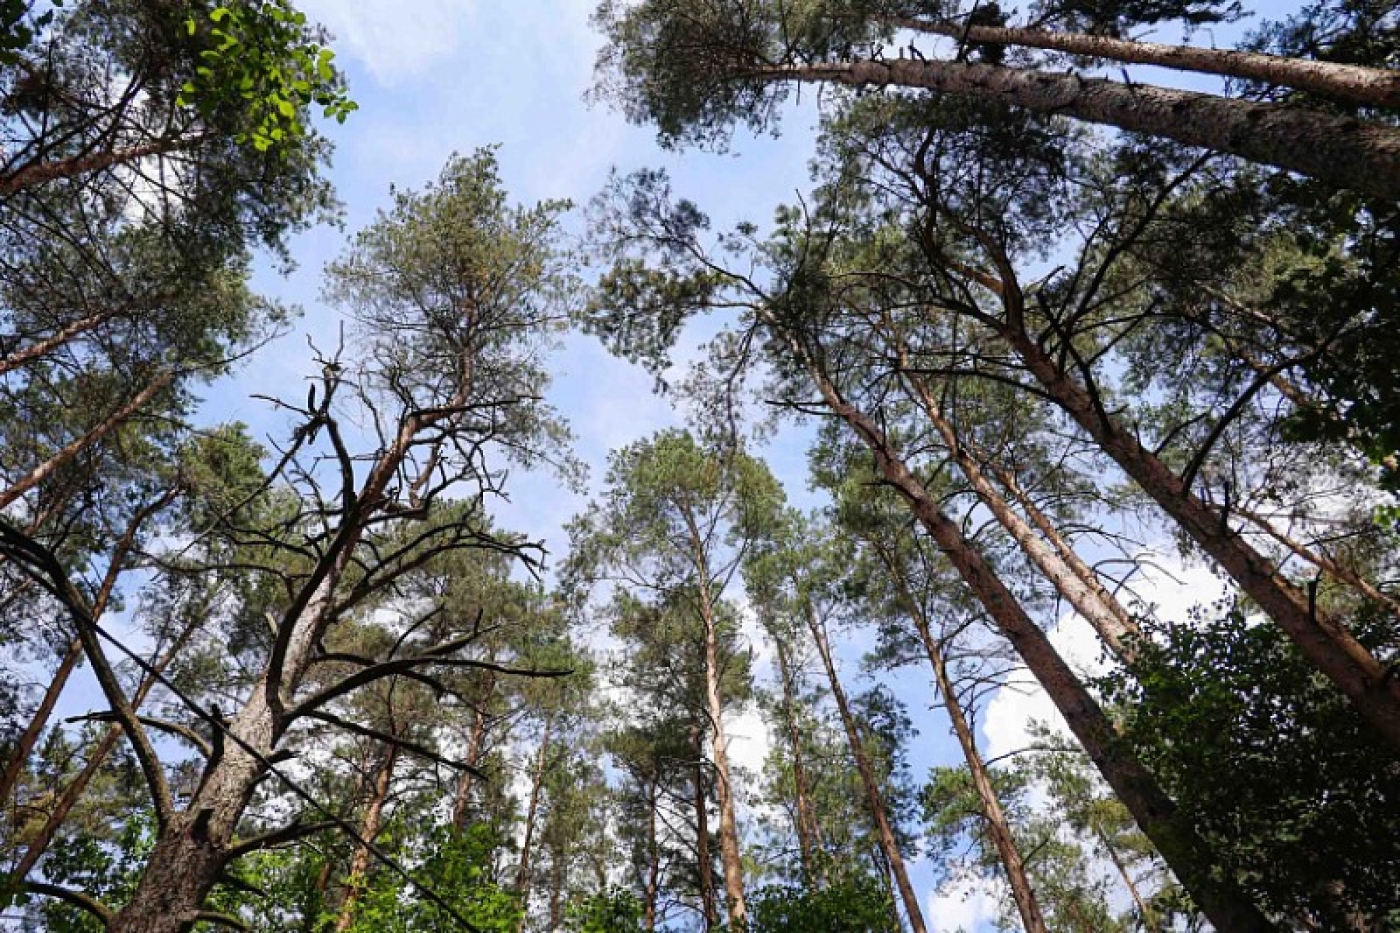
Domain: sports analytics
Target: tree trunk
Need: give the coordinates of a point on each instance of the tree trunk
(806, 820)
(874, 798)
(461, 803)
(358, 875)
(998, 827)
(24, 747)
(66, 453)
(1341, 151)
(522, 874)
(38, 845)
(1375, 87)
(704, 863)
(1175, 838)
(724, 789)
(1323, 640)
(1109, 619)
(652, 886)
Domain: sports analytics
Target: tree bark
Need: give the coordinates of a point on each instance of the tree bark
(189, 855)
(66, 453)
(358, 874)
(1323, 640)
(522, 874)
(1341, 151)
(874, 798)
(24, 746)
(806, 820)
(1375, 87)
(730, 859)
(1109, 620)
(1156, 814)
(998, 827)
(708, 908)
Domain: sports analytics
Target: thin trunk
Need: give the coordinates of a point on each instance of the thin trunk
(806, 821)
(729, 856)
(39, 844)
(874, 797)
(1150, 922)
(557, 880)
(24, 747)
(357, 876)
(998, 827)
(66, 453)
(1109, 619)
(653, 879)
(47, 345)
(1340, 151)
(69, 662)
(1156, 814)
(39, 173)
(1323, 640)
(1376, 87)
(461, 803)
(1339, 572)
(708, 907)
(522, 874)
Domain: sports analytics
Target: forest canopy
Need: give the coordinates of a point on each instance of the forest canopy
(1010, 542)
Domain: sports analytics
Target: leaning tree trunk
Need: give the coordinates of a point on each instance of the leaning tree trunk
(1322, 640)
(1109, 620)
(1341, 151)
(874, 798)
(1184, 851)
(998, 826)
(1375, 87)
(24, 746)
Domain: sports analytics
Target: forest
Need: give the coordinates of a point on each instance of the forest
(1009, 538)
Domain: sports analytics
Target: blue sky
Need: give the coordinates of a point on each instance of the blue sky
(433, 77)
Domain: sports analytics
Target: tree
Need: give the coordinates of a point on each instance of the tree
(696, 72)
(677, 520)
(448, 377)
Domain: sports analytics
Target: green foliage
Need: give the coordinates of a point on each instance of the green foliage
(1298, 796)
(264, 58)
(612, 911)
(856, 905)
(458, 866)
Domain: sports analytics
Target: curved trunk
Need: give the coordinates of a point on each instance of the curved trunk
(1375, 87)
(874, 798)
(1181, 847)
(1340, 151)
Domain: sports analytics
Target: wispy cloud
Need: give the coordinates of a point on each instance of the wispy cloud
(394, 40)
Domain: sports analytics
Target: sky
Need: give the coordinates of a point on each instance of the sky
(437, 77)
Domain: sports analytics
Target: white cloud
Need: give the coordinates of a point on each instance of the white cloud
(393, 39)
(965, 906)
(1171, 587)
